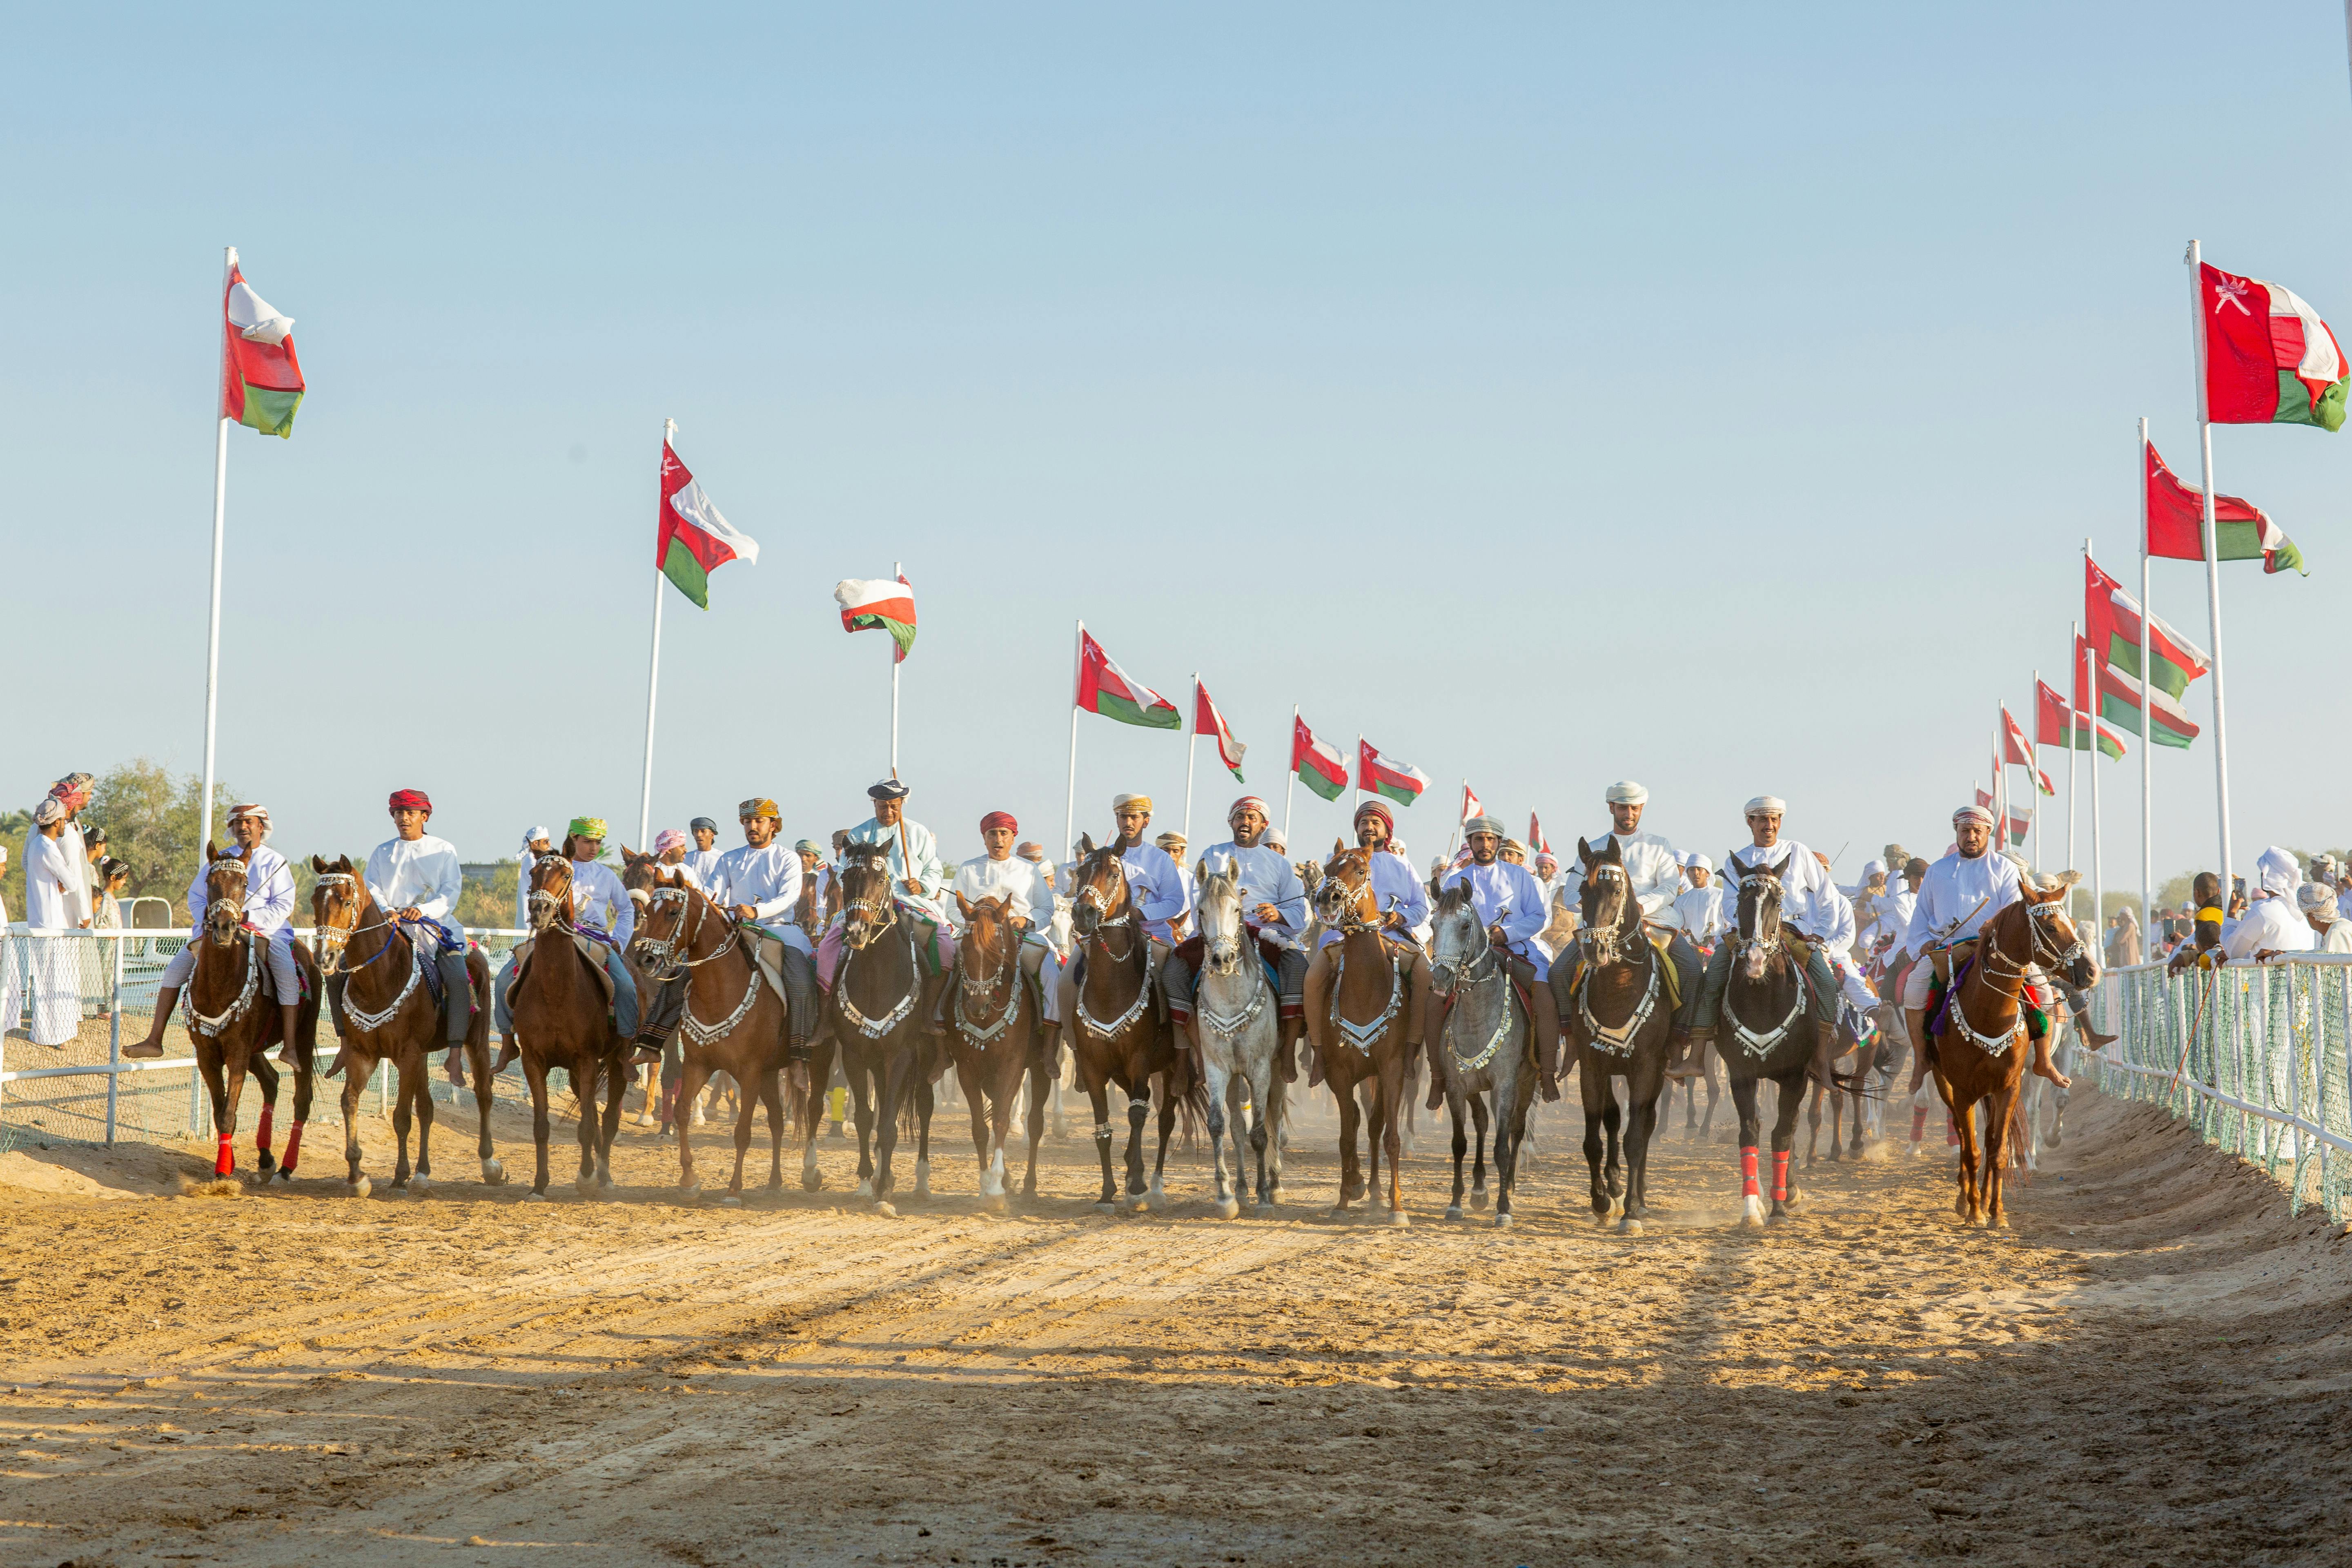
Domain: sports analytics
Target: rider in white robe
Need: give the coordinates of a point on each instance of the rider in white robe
(998, 873)
(53, 961)
(268, 909)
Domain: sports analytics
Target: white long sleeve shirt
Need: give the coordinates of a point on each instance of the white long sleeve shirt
(598, 900)
(769, 879)
(1505, 894)
(1806, 890)
(1704, 913)
(268, 891)
(704, 864)
(1020, 884)
(50, 881)
(1159, 892)
(422, 873)
(1652, 866)
(2271, 924)
(929, 873)
(1267, 876)
(1956, 899)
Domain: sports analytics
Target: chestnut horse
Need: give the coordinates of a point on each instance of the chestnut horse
(1360, 1037)
(992, 1028)
(1767, 1032)
(232, 1024)
(1117, 1034)
(386, 1014)
(734, 1019)
(877, 992)
(1983, 1054)
(1618, 1016)
(562, 1019)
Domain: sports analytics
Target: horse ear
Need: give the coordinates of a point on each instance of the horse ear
(1085, 843)
(628, 856)
(317, 867)
(1339, 847)
(964, 903)
(1584, 851)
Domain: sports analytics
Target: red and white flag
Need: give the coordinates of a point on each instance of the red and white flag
(2017, 750)
(691, 540)
(1536, 843)
(261, 380)
(1471, 804)
(1319, 767)
(1207, 721)
(1399, 780)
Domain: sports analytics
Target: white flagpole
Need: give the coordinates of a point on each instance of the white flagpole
(653, 683)
(2073, 631)
(1191, 752)
(1290, 790)
(2098, 862)
(2212, 579)
(898, 569)
(2147, 752)
(1356, 769)
(1070, 802)
(2034, 781)
(1463, 800)
(220, 523)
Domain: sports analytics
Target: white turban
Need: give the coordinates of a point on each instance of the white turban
(2316, 900)
(1771, 803)
(1625, 792)
(1698, 862)
(1973, 812)
(1141, 802)
(1872, 868)
(2277, 872)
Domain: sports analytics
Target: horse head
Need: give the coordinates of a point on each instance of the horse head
(1458, 942)
(867, 906)
(550, 891)
(987, 933)
(1218, 914)
(1344, 900)
(1608, 912)
(1760, 917)
(637, 872)
(2052, 940)
(665, 901)
(339, 907)
(224, 880)
(1097, 888)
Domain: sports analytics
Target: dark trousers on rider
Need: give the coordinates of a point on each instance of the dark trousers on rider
(1681, 951)
(667, 1006)
(1820, 995)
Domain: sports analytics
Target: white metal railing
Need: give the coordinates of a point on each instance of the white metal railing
(2258, 1058)
(112, 973)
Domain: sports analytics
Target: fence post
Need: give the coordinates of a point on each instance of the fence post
(113, 1040)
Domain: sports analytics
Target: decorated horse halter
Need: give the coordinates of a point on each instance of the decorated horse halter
(1353, 915)
(996, 989)
(1091, 897)
(236, 906)
(1606, 944)
(1759, 1043)
(334, 939)
(663, 957)
(1998, 1044)
(1776, 941)
(542, 898)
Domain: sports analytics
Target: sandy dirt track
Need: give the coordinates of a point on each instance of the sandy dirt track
(2152, 1368)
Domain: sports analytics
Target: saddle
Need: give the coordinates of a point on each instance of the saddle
(586, 945)
(1669, 977)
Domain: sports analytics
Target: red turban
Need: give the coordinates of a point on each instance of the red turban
(999, 819)
(411, 800)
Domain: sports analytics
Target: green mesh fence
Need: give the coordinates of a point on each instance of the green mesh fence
(2253, 1056)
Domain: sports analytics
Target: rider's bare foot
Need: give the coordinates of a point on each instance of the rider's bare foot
(150, 1047)
(1550, 1086)
(2092, 1040)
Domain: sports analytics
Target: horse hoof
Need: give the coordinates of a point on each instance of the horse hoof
(922, 1178)
(584, 1187)
(1399, 1219)
(730, 1202)
(994, 1203)
(494, 1172)
(1139, 1203)
(812, 1180)
(1751, 1214)
(1781, 1218)
(689, 1191)
(1478, 1200)
(864, 1189)
(1453, 1211)
(534, 1197)
(886, 1210)
(1263, 1207)
(1105, 1206)
(397, 1190)
(420, 1185)
(1502, 1222)
(2000, 1222)
(1629, 1226)
(1230, 1208)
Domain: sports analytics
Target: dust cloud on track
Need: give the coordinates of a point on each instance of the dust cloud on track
(2152, 1367)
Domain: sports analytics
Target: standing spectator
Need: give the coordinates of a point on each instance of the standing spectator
(2317, 901)
(12, 961)
(2269, 926)
(114, 880)
(52, 873)
(2123, 939)
(535, 843)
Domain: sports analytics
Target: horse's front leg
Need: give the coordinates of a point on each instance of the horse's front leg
(403, 1119)
(891, 1090)
(1751, 1201)
(747, 1109)
(1784, 1142)
(1598, 1094)
(477, 1055)
(1995, 1154)
(1351, 1172)
(534, 1073)
(1457, 1114)
(691, 1078)
(305, 1085)
(862, 1089)
(1139, 1111)
(1222, 1084)
(358, 1068)
(616, 1083)
(419, 1085)
(265, 1078)
(1481, 1116)
(1392, 1096)
(1042, 1087)
(1098, 1088)
(1157, 1194)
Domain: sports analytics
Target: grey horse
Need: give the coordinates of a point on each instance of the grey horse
(1482, 1045)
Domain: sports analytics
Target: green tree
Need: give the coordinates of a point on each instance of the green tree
(152, 819)
(489, 901)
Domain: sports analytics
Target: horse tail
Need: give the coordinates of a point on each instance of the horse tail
(803, 1100)
(1192, 1109)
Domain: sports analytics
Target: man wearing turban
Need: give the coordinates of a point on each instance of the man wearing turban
(1160, 895)
(416, 878)
(2274, 921)
(601, 912)
(1404, 904)
(1654, 871)
(759, 882)
(1512, 907)
(1812, 912)
(268, 909)
(998, 873)
(1274, 908)
(919, 881)
(702, 857)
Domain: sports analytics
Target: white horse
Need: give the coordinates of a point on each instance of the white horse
(1482, 1049)
(1238, 1022)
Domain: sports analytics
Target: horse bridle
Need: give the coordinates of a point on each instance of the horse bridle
(1223, 954)
(2035, 950)
(880, 914)
(1352, 918)
(235, 906)
(1466, 972)
(663, 958)
(1743, 944)
(996, 989)
(334, 939)
(1089, 896)
(542, 898)
(1606, 944)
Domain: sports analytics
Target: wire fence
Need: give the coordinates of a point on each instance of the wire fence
(2258, 1058)
(70, 1002)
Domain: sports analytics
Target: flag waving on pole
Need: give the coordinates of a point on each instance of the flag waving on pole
(1208, 721)
(1400, 782)
(2118, 697)
(693, 539)
(2175, 525)
(1471, 804)
(2269, 359)
(2111, 619)
(1106, 690)
(2016, 749)
(1536, 843)
(2052, 722)
(261, 380)
(1319, 767)
(884, 603)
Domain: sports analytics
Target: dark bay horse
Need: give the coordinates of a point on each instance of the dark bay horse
(387, 1014)
(1618, 1017)
(875, 1008)
(734, 1020)
(1117, 1034)
(562, 1019)
(1982, 1054)
(1767, 1033)
(232, 1023)
(1360, 1037)
(992, 1030)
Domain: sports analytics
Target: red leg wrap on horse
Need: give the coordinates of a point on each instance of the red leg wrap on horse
(1748, 1188)
(293, 1148)
(261, 1132)
(1780, 1175)
(1918, 1125)
(1951, 1133)
(225, 1162)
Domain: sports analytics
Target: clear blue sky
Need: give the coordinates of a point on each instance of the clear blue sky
(1714, 395)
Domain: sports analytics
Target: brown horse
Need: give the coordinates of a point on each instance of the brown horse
(734, 1019)
(561, 1020)
(1614, 1000)
(1358, 1035)
(661, 1078)
(1982, 1054)
(994, 1031)
(386, 1013)
(876, 1029)
(1116, 1033)
(232, 1024)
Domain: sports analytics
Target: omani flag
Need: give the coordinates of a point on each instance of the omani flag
(1400, 782)
(694, 541)
(885, 604)
(1106, 690)
(1208, 721)
(2269, 359)
(1319, 767)
(261, 380)
(2175, 525)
